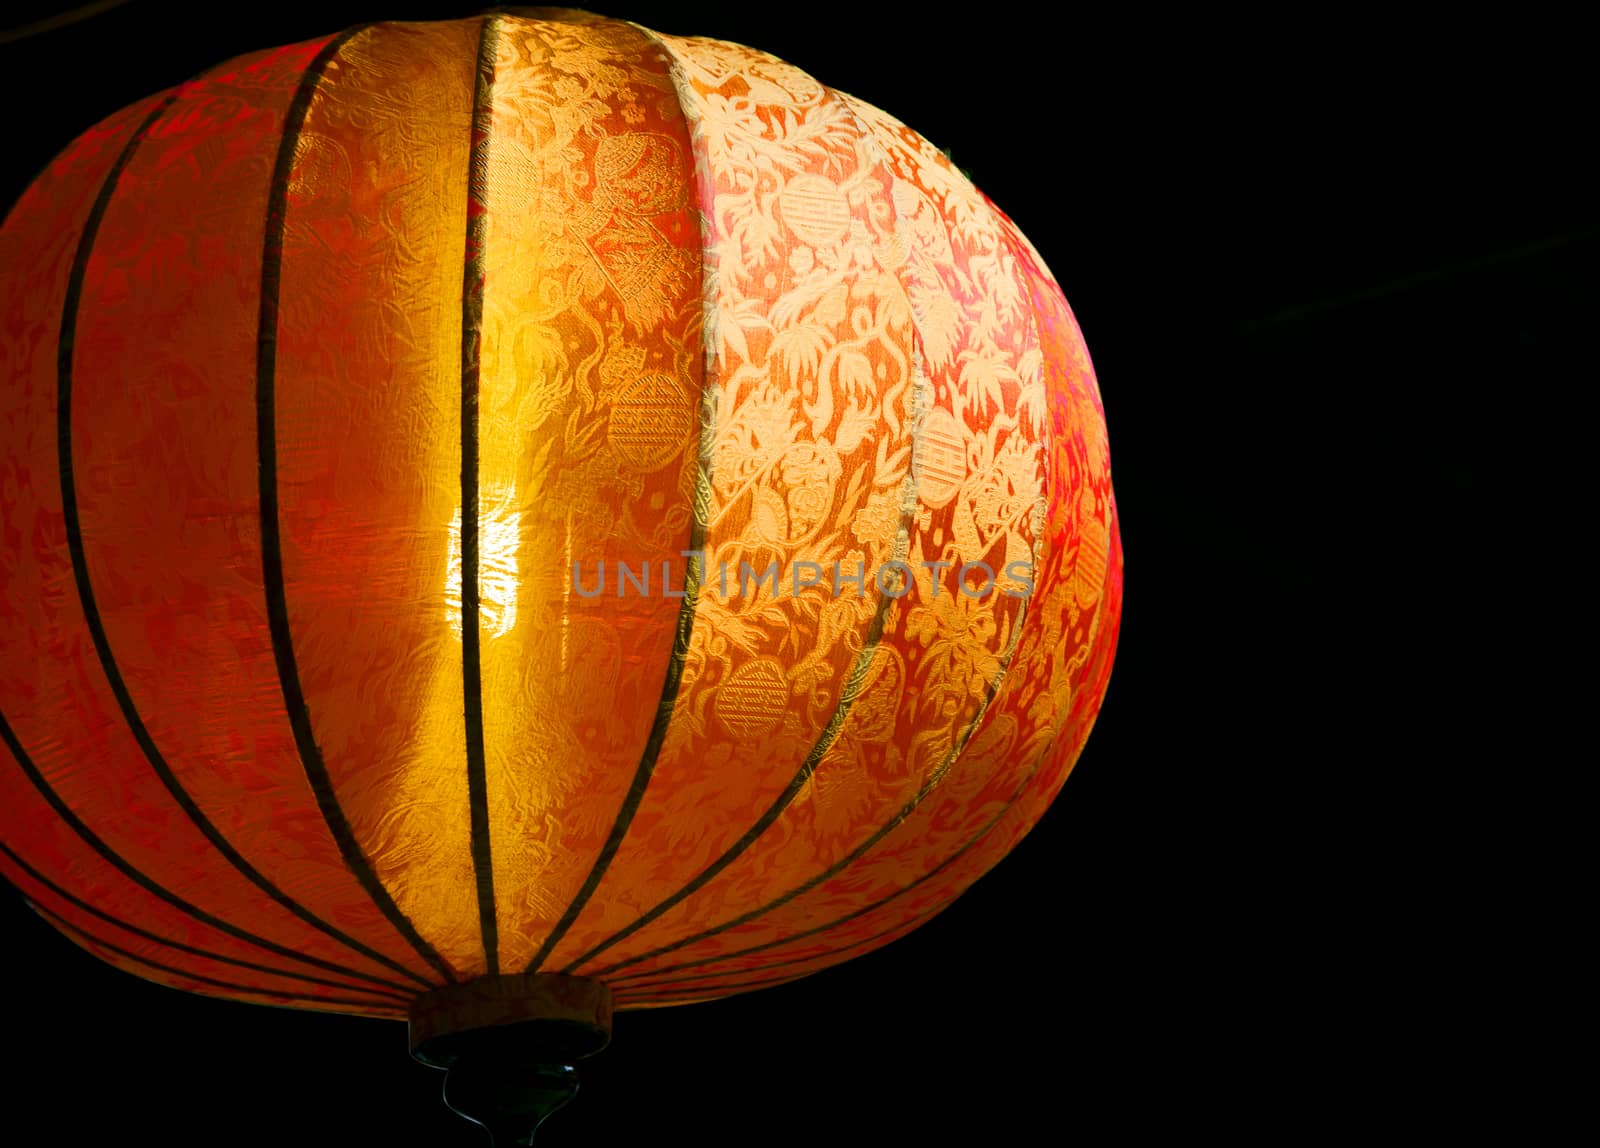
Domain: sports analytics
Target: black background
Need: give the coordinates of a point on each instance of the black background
(1332, 272)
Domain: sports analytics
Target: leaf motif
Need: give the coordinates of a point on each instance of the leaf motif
(831, 309)
(854, 372)
(733, 336)
(853, 428)
(799, 350)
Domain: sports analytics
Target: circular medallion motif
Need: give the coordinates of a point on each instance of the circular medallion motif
(943, 457)
(751, 702)
(650, 423)
(815, 210)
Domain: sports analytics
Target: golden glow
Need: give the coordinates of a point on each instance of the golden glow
(499, 539)
(588, 401)
(386, 692)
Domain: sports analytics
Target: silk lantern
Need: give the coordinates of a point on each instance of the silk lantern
(512, 518)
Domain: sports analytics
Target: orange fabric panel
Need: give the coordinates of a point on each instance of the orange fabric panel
(1034, 698)
(590, 394)
(164, 383)
(981, 499)
(56, 694)
(814, 376)
(37, 247)
(368, 454)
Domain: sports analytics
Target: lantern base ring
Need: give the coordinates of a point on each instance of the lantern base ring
(508, 1045)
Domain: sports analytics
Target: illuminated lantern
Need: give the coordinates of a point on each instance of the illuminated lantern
(518, 517)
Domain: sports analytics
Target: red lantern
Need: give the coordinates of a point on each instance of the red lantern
(515, 517)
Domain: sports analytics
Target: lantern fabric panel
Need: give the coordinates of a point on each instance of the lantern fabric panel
(832, 253)
(769, 673)
(365, 421)
(70, 714)
(165, 425)
(377, 350)
(1023, 717)
(53, 635)
(590, 437)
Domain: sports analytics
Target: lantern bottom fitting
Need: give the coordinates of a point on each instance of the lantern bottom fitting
(567, 1017)
(509, 1044)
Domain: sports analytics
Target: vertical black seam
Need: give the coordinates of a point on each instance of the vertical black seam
(80, 566)
(471, 345)
(271, 540)
(180, 946)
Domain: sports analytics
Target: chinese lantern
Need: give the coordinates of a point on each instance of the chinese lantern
(512, 518)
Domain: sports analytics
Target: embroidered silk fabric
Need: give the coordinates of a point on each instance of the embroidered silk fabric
(497, 495)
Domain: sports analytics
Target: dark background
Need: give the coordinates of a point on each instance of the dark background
(1332, 272)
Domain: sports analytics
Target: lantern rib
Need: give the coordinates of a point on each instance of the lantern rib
(118, 862)
(75, 544)
(693, 573)
(180, 946)
(272, 558)
(927, 787)
(471, 341)
(90, 939)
